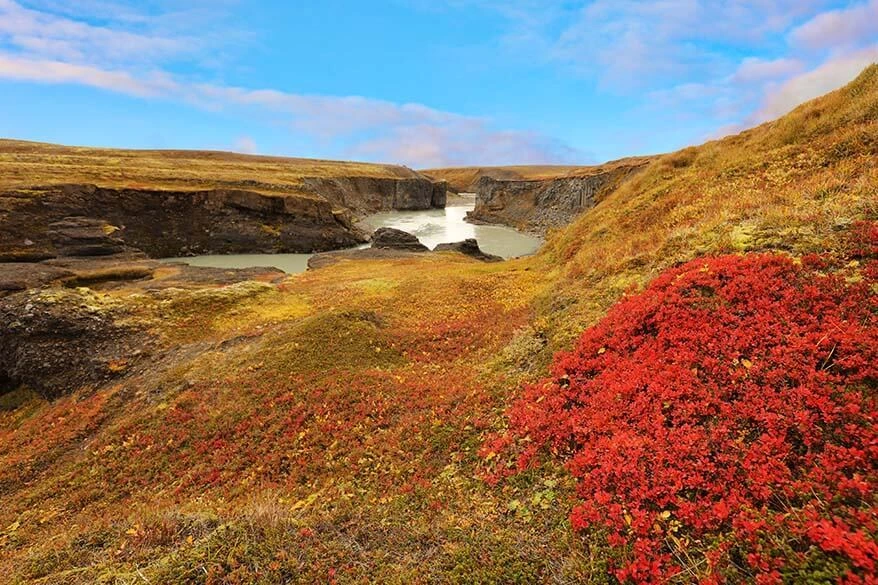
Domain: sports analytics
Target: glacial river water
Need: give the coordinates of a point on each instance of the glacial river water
(432, 227)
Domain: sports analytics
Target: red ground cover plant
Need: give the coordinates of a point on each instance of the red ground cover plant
(721, 423)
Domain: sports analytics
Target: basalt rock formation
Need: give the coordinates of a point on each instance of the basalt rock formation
(394, 239)
(59, 331)
(368, 194)
(466, 179)
(174, 223)
(18, 276)
(82, 236)
(541, 204)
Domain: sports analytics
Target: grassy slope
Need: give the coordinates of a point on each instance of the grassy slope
(25, 164)
(328, 430)
(464, 179)
(794, 185)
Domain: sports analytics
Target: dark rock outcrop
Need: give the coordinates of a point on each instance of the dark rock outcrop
(84, 220)
(57, 341)
(370, 194)
(73, 271)
(170, 223)
(394, 239)
(466, 179)
(129, 270)
(440, 194)
(82, 236)
(56, 337)
(182, 203)
(539, 205)
(468, 247)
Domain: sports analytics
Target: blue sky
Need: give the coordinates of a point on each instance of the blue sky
(420, 82)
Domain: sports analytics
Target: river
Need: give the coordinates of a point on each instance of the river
(432, 227)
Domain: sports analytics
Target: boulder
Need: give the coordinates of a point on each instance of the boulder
(468, 247)
(394, 239)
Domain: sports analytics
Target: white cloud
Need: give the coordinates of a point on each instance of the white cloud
(632, 44)
(55, 72)
(411, 134)
(464, 142)
(130, 50)
(679, 52)
(46, 35)
(755, 70)
(830, 75)
(838, 29)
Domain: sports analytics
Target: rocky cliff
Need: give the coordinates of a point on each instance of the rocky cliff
(369, 194)
(538, 205)
(175, 223)
(177, 203)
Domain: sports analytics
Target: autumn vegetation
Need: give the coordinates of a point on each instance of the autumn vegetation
(720, 424)
(680, 387)
(26, 164)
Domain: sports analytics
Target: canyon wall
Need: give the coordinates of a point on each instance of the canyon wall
(539, 205)
(319, 216)
(365, 195)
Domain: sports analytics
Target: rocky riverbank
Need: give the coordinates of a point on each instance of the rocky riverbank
(388, 243)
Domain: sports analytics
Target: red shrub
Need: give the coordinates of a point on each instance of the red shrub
(728, 411)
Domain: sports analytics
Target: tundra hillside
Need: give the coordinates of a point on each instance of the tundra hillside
(397, 421)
